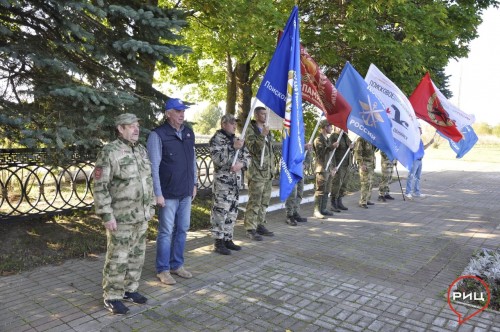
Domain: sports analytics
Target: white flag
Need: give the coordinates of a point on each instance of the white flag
(399, 109)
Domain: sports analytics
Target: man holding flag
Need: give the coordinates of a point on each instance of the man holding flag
(260, 175)
(280, 91)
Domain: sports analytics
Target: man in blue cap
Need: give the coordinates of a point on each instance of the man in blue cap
(173, 163)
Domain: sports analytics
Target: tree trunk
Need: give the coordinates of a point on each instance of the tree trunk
(244, 91)
(230, 87)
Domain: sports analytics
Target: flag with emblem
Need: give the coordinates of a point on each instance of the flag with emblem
(432, 106)
(280, 91)
(368, 117)
(319, 91)
(405, 127)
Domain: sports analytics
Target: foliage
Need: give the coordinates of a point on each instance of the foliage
(232, 42)
(403, 38)
(484, 264)
(69, 67)
(482, 128)
(208, 120)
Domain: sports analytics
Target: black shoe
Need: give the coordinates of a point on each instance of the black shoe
(232, 246)
(252, 234)
(262, 230)
(387, 196)
(381, 198)
(291, 221)
(220, 247)
(135, 297)
(298, 218)
(370, 203)
(363, 206)
(116, 307)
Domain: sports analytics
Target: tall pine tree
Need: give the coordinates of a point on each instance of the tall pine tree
(67, 68)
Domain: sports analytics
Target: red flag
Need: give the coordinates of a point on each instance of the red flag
(319, 91)
(428, 107)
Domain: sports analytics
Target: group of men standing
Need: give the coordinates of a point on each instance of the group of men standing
(332, 151)
(130, 181)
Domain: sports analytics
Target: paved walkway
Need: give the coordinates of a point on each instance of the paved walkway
(382, 269)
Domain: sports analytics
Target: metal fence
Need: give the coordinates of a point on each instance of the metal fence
(32, 186)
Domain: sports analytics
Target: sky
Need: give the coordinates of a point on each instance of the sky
(475, 80)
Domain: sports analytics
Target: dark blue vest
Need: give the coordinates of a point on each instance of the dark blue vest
(177, 160)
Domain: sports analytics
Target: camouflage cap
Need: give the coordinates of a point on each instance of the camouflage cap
(228, 118)
(323, 124)
(126, 118)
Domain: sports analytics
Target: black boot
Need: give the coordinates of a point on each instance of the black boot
(381, 198)
(220, 247)
(324, 206)
(340, 205)
(232, 246)
(335, 207)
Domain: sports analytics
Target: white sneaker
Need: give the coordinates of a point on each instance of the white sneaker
(408, 196)
(419, 195)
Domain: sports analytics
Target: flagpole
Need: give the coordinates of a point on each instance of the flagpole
(265, 141)
(243, 132)
(333, 152)
(342, 160)
(400, 185)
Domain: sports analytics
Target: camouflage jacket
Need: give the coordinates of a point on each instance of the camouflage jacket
(255, 142)
(222, 153)
(364, 151)
(322, 150)
(344, 144)
(123, 186)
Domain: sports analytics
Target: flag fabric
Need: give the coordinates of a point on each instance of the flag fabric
(404, 121)
(368, 118)
(280, 91)
(432, 107)
(465, 144)
(318, 90)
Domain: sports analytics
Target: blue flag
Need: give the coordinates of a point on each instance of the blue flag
(281, 92)
(465, 144)
(368, 117)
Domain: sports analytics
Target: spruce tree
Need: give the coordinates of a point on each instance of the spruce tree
(69, 67)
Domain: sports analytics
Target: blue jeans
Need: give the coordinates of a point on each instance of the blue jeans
(174, 221)
(413, 181)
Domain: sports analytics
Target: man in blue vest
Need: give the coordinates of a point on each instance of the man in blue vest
(173, 163)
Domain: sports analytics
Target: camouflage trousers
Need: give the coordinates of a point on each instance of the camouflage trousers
(322, 184)
(259, 195)
(224, 212)
(339, 182)
(366, 179)
(292, 203)
(386, 179)
(124, 260)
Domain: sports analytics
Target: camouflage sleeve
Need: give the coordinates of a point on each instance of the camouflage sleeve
(103, 174)
(357, 152)
(244, 157)
(220, 152)
(255, 143)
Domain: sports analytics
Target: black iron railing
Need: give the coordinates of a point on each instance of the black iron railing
(33, 185)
